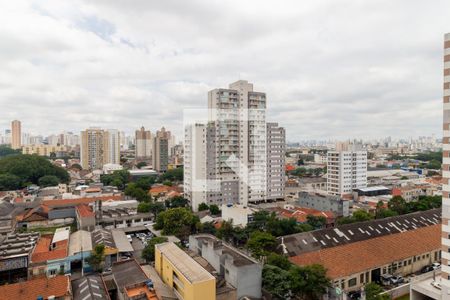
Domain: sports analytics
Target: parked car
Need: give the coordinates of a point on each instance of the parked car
(426, 269)
(397, 279)
(386, 279)
(130, 239)
(107, 271)
(436, 265)
(356, 295)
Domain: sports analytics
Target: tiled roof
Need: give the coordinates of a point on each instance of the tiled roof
(299, 243)
(345, 260)
(57, 286)
(43, 253)
(301, 213)
(77, 201)
(85, 211)
(39, 213)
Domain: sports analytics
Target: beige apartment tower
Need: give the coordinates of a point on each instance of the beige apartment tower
(143, 149)
(99, 147)
(16, 134)
(445, 282)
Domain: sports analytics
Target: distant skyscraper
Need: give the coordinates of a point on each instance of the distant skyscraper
(99, 147)
(346, 169)
(16, 134)
(160, 148)
(143, 147)
(445, 275)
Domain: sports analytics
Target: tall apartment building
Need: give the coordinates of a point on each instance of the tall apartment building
(445, 275)
(276, 161)
(99, 147)
(160, 150)
(236, 156)
(346, 169)
(143, 149)
(16, 134)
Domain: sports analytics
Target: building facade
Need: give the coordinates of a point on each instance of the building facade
(445, 282)
(143, 142)
(16, 134)
(240, 156)
(43, 150)
(160, 148)
(347, 170)
(99, 147)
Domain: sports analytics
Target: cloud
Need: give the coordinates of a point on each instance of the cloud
(330, 69)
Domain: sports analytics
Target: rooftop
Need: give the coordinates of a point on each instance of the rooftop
(191, 270)
(128, 272)
(19, 244)
(340, 261)
(57, 286)
(61, 234)
(45, 251)
(373, 188)
(140, 291)
(85, 211)
(77, 201)
(80, 241)
(89, 287)
(300, 243)
(121, 241)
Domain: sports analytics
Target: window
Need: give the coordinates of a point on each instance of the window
(361, 278)
(352, 282)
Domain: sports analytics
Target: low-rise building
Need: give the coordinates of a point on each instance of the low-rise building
(90, 287)
(324, 202)
(57, 287)
(80, 248)
(300, 214)
(85, 217)
(44, 150)
(15, 253)
(238, 213)
(50, 254)
(238, 269)
(359, 253)
(188, 279)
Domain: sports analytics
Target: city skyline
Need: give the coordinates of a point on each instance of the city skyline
(355, 76)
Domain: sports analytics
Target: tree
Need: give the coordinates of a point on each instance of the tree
(143, 207)
(176, 221)
(145, 182)
(48, 180)
(29, 168)
(97, 257)
(6, 150)
(148, 253)
(214, 209)
(225, 231)
(276, 281)
(203, 206)
(398, 204)
(177, 201)
(373, 292)
(76, 167)
(9, 182)
(167, 182)
(261, 243)
(134, 191)
(309, 282)
(172, 175)
(316, 222)
(208, 227)
(156, 207)
(278, 260)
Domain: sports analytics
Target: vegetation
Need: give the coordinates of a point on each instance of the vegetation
(148, 253)
(214, 209)
(141, 164)
(203, 206)
(177, 201)
(118, 179)
(6, 150)
(133, 190)
(18, 171)
(302, 172)
(48, 180)
(178, 221)
(373, 292)
(396, 206)
(172, 175)
(97, 257)
(261, 244)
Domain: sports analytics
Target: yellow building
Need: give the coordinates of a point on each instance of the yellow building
(42, 150)
(184, 275)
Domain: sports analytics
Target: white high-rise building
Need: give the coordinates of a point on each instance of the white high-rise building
(235, 151)
(445, 276)
(346, 169)
(113, 146)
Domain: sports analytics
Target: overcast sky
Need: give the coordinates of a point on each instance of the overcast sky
(331, 69)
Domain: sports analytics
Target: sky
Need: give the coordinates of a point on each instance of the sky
(330, 69)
